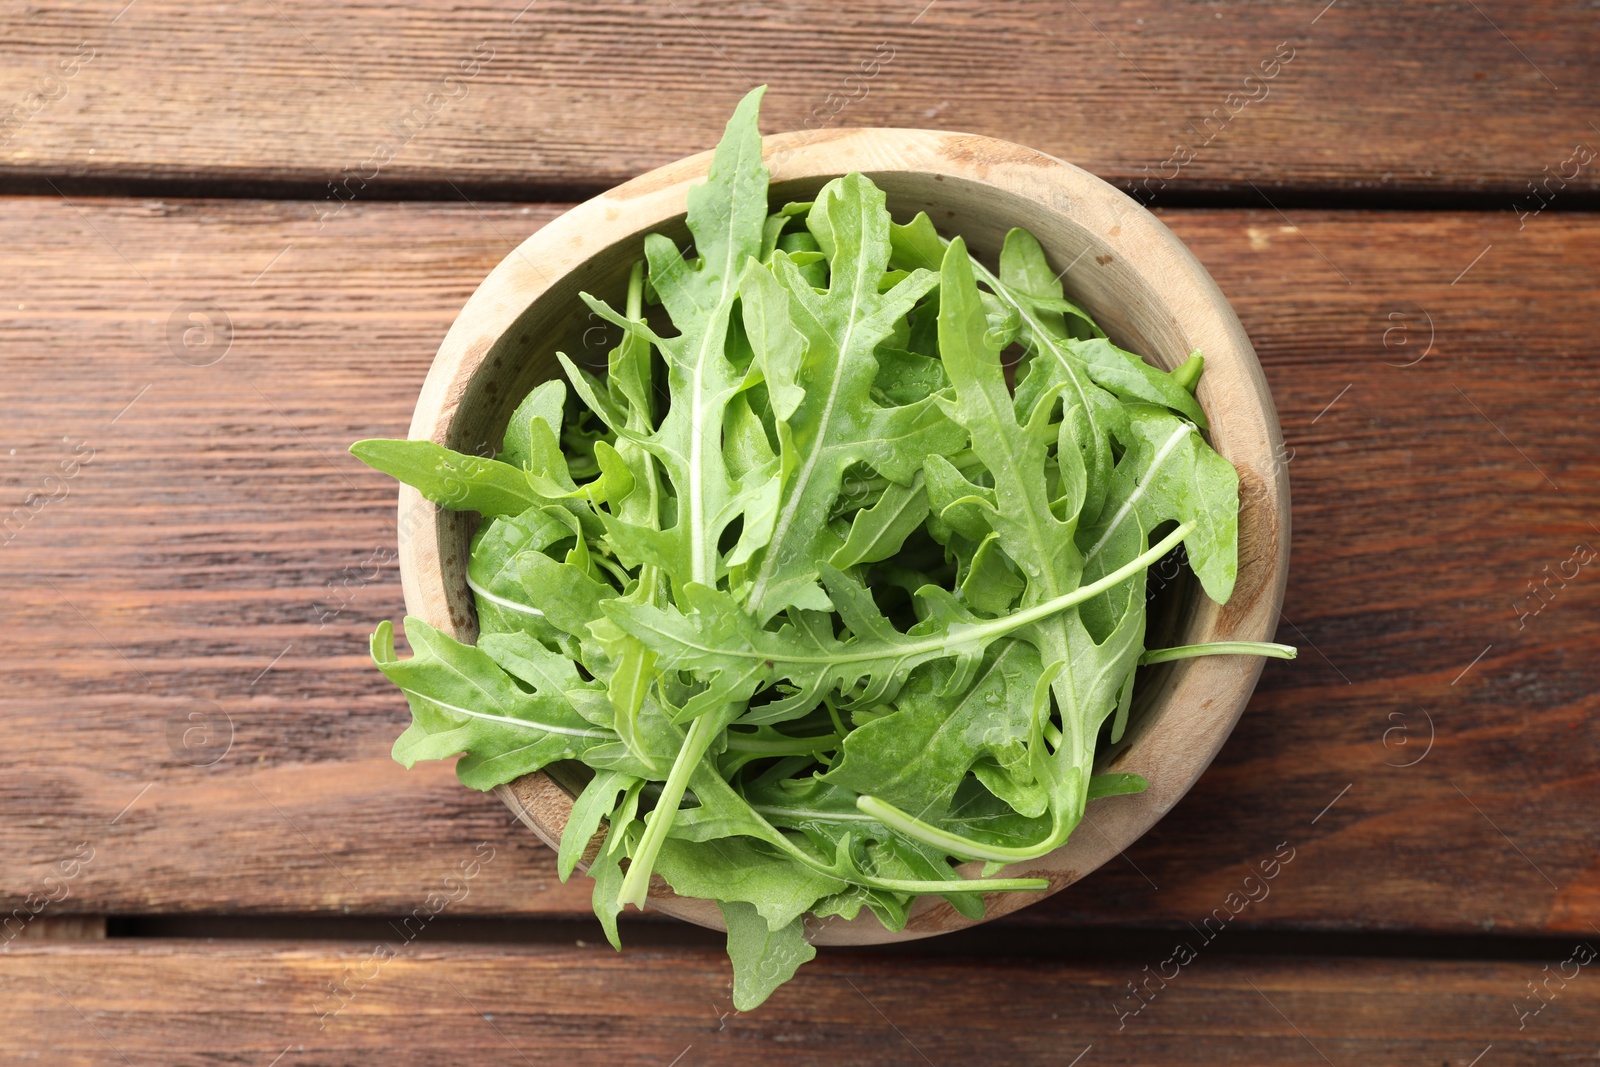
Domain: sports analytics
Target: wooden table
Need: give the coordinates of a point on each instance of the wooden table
(213, 282)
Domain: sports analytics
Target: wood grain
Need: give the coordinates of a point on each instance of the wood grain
(184, 1002)
(1374, 99)
(185, 567)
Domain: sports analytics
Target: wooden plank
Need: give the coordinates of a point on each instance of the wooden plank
(188, 1002)
(1470, 97)
(53, 928)
(218, 545)
(182, 573)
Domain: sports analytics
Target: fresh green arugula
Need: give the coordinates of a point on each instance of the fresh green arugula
(821, 590)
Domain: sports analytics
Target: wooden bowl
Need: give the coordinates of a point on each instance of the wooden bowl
(1137, 280)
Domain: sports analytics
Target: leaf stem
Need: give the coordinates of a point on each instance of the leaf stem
(997, 628)
(1188, 375)
(658, 822)
(792, 746)
(1219, 648)
(509, 605)
(977, 633)
(896, 885)
(955, 844)
(507, 720)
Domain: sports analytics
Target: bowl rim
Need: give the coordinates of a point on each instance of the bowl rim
(1203, 698)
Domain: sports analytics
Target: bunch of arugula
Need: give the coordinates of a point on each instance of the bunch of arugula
(832, 605)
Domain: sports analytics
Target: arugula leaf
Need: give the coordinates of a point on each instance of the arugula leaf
(493, 572)
(832, 832)
(563, 593)
(1169, 472)
(463, 702)
(989, 584)
(1028, 284)
(878, 532)
(726, 216)
(606, 870)
(545, 403)
(917, 756)
(452, 479)
(548, 674)
(835, 423)
(1022, 514)
(735, 869)
(1132, 379)
(763, 957)
(597, 802)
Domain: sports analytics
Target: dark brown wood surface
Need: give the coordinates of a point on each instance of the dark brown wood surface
(197, 745)
(183, 1002)
(1459, 97)
(184, 571)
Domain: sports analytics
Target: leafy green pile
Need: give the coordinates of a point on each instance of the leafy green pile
(820, 600)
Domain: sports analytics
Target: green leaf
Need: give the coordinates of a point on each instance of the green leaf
(550, 674)
(606, 870)
(960, 503)
(563, 593)
(822, 813)
(906, 377)
(629, 683)
(889, 865)
(990, 585)
(777, 223)
(451, 479)
(462, 702)
(837, 424)
(546, 402)
(726, 216)
(806, 255)
(615, 482)
(1091, 416)
(916, 245)
(1132, 379)
(733, 868)
(493, 573)
(763, 958)
(777, 346)
(878, 532)
(546, 466)
(917, 756)
(1026, 277)
(597, 801)
(1170, 473)
(1021, 514)
(630, 367)
(1119, 722)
